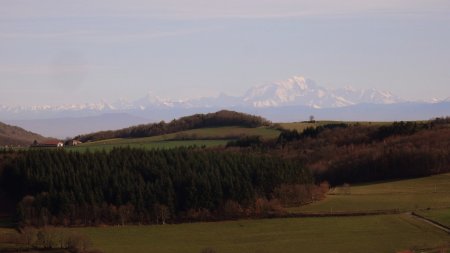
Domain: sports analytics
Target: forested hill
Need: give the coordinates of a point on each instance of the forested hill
(14, 136)
(220, 118)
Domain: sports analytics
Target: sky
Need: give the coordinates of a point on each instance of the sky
(64, 51)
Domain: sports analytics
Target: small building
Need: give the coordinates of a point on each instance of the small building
(48, 144)
(73, 143)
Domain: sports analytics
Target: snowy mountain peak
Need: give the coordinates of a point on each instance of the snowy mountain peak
(282, 92)
(152, 100)
(296, 82)
(437, 100)
(301, 91)
(349, 88)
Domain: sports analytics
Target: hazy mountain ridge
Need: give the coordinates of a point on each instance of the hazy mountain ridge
(294, 99)
(293, 91)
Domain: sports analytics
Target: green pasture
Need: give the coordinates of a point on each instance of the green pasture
(151, 145)
(382, 233)
(351, 234)
(404, 195)
(208, 137)
(441, 215)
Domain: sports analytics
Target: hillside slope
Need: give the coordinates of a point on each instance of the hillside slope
(63, 127)
(16, 136)
(217, 119)
(207, 137)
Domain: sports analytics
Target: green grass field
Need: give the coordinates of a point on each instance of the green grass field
(442, 215)
(151, 145)
(405, 195)
(351, 234)
(208, 137)
(333, 234)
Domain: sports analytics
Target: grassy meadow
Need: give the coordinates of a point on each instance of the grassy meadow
(404, 195)
(351, 234)
(207, 137)
(333, 234)
(151, 145)
(441, 215)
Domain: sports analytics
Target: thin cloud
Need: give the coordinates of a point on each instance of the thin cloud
(210, 9)
(49, 69)
(100, 36)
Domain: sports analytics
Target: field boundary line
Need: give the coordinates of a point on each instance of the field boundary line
(340, 213)
(431, 222)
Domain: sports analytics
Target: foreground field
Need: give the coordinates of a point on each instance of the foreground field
(208, 137)
(351, 234)
(333, 234)
(405, 195)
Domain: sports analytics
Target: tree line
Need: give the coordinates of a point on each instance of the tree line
(48, 240)
(356, 153)
(141, 186)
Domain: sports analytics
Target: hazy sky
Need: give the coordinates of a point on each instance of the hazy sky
(58, 51)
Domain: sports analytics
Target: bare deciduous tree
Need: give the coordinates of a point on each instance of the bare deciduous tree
(162, 213)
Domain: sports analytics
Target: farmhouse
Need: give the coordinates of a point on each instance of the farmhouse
(48, 144)
(73, 142)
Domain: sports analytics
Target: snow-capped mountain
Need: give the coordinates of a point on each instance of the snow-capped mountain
(101, 106)
(300, 91)
(152, 101)
(294, 99)
(295, 91)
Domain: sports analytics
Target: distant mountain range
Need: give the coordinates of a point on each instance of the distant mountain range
(294, 91)
(293, 99)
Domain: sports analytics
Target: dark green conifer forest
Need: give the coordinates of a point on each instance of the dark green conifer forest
(141, 186)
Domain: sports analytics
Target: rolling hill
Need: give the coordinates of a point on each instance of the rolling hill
(16, 136)
(218, 119)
